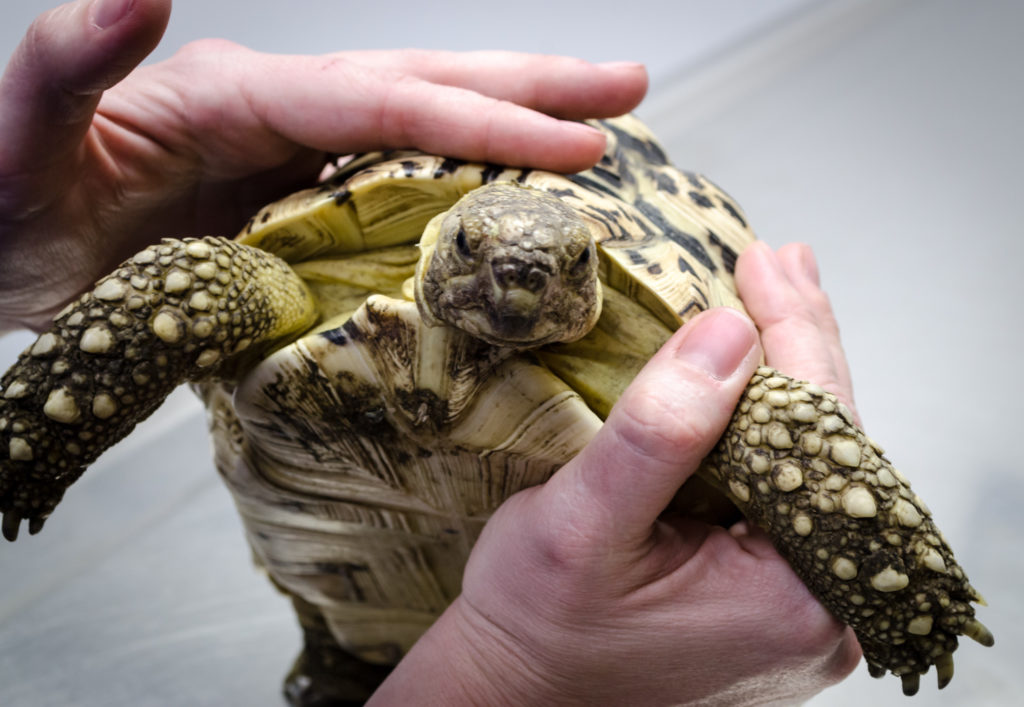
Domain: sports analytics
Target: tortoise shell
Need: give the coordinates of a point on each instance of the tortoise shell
(366, 442)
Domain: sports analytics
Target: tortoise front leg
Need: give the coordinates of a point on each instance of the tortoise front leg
(178, 311)
(862, 541)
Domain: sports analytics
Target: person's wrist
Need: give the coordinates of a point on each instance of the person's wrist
(464, 659)
(508, 672)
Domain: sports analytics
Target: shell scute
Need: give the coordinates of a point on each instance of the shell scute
(366, 454)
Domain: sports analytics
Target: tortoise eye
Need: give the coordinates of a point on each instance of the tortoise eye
(579, 266)
(462, 244)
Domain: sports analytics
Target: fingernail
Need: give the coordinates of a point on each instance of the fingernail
(718, 341)
(107, 13)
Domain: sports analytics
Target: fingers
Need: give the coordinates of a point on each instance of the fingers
(664, 424)
(351, 107)
(798, 329)
(563, 87)
(54, 79)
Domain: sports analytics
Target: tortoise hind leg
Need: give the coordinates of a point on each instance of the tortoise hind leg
(325, 674)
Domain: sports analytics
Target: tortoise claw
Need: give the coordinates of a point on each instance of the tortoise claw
(976, 630)
(944, 669)
(36, 524)
(68, 418)
(876, 671)
(11, 525)
(911, 683)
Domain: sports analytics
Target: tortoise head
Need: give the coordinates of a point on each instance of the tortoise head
(512, 265)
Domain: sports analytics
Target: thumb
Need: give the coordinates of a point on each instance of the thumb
(665, 423)
(55, 77)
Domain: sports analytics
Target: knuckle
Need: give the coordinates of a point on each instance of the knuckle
(563, 552)
(399, 107)
(797, 329)
(200, 50)
(650, 427)
(819, 306)
(559, 547)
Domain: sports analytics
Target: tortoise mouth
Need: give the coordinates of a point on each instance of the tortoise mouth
(519, 317)
(511, 326)
(504, 326)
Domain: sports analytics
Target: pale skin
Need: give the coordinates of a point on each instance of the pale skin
(196, 144)
(577, 593)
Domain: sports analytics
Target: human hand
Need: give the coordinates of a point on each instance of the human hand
(195, 144)
(577, 593)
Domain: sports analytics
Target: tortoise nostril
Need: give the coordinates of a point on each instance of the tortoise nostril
(525, 276)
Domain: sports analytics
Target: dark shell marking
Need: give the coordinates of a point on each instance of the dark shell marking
(646, 215)
(324, 442)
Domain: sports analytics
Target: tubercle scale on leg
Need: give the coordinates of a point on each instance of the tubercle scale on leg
(849, 524)
(176, 311)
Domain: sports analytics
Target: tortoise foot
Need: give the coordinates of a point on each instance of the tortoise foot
(331, 677)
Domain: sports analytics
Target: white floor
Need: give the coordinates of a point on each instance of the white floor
(887, 133)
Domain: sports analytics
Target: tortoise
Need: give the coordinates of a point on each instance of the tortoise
(388, 355)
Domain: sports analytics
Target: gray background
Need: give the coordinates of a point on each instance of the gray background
(886, 133)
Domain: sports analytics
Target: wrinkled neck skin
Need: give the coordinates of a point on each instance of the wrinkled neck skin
(511, 266)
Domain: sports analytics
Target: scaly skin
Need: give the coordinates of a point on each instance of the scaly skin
(848, 523)
(512, 265)
(177, 311)
(792, 460)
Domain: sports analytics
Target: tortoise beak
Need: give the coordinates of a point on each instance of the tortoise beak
(517, 298)
(512, 327)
